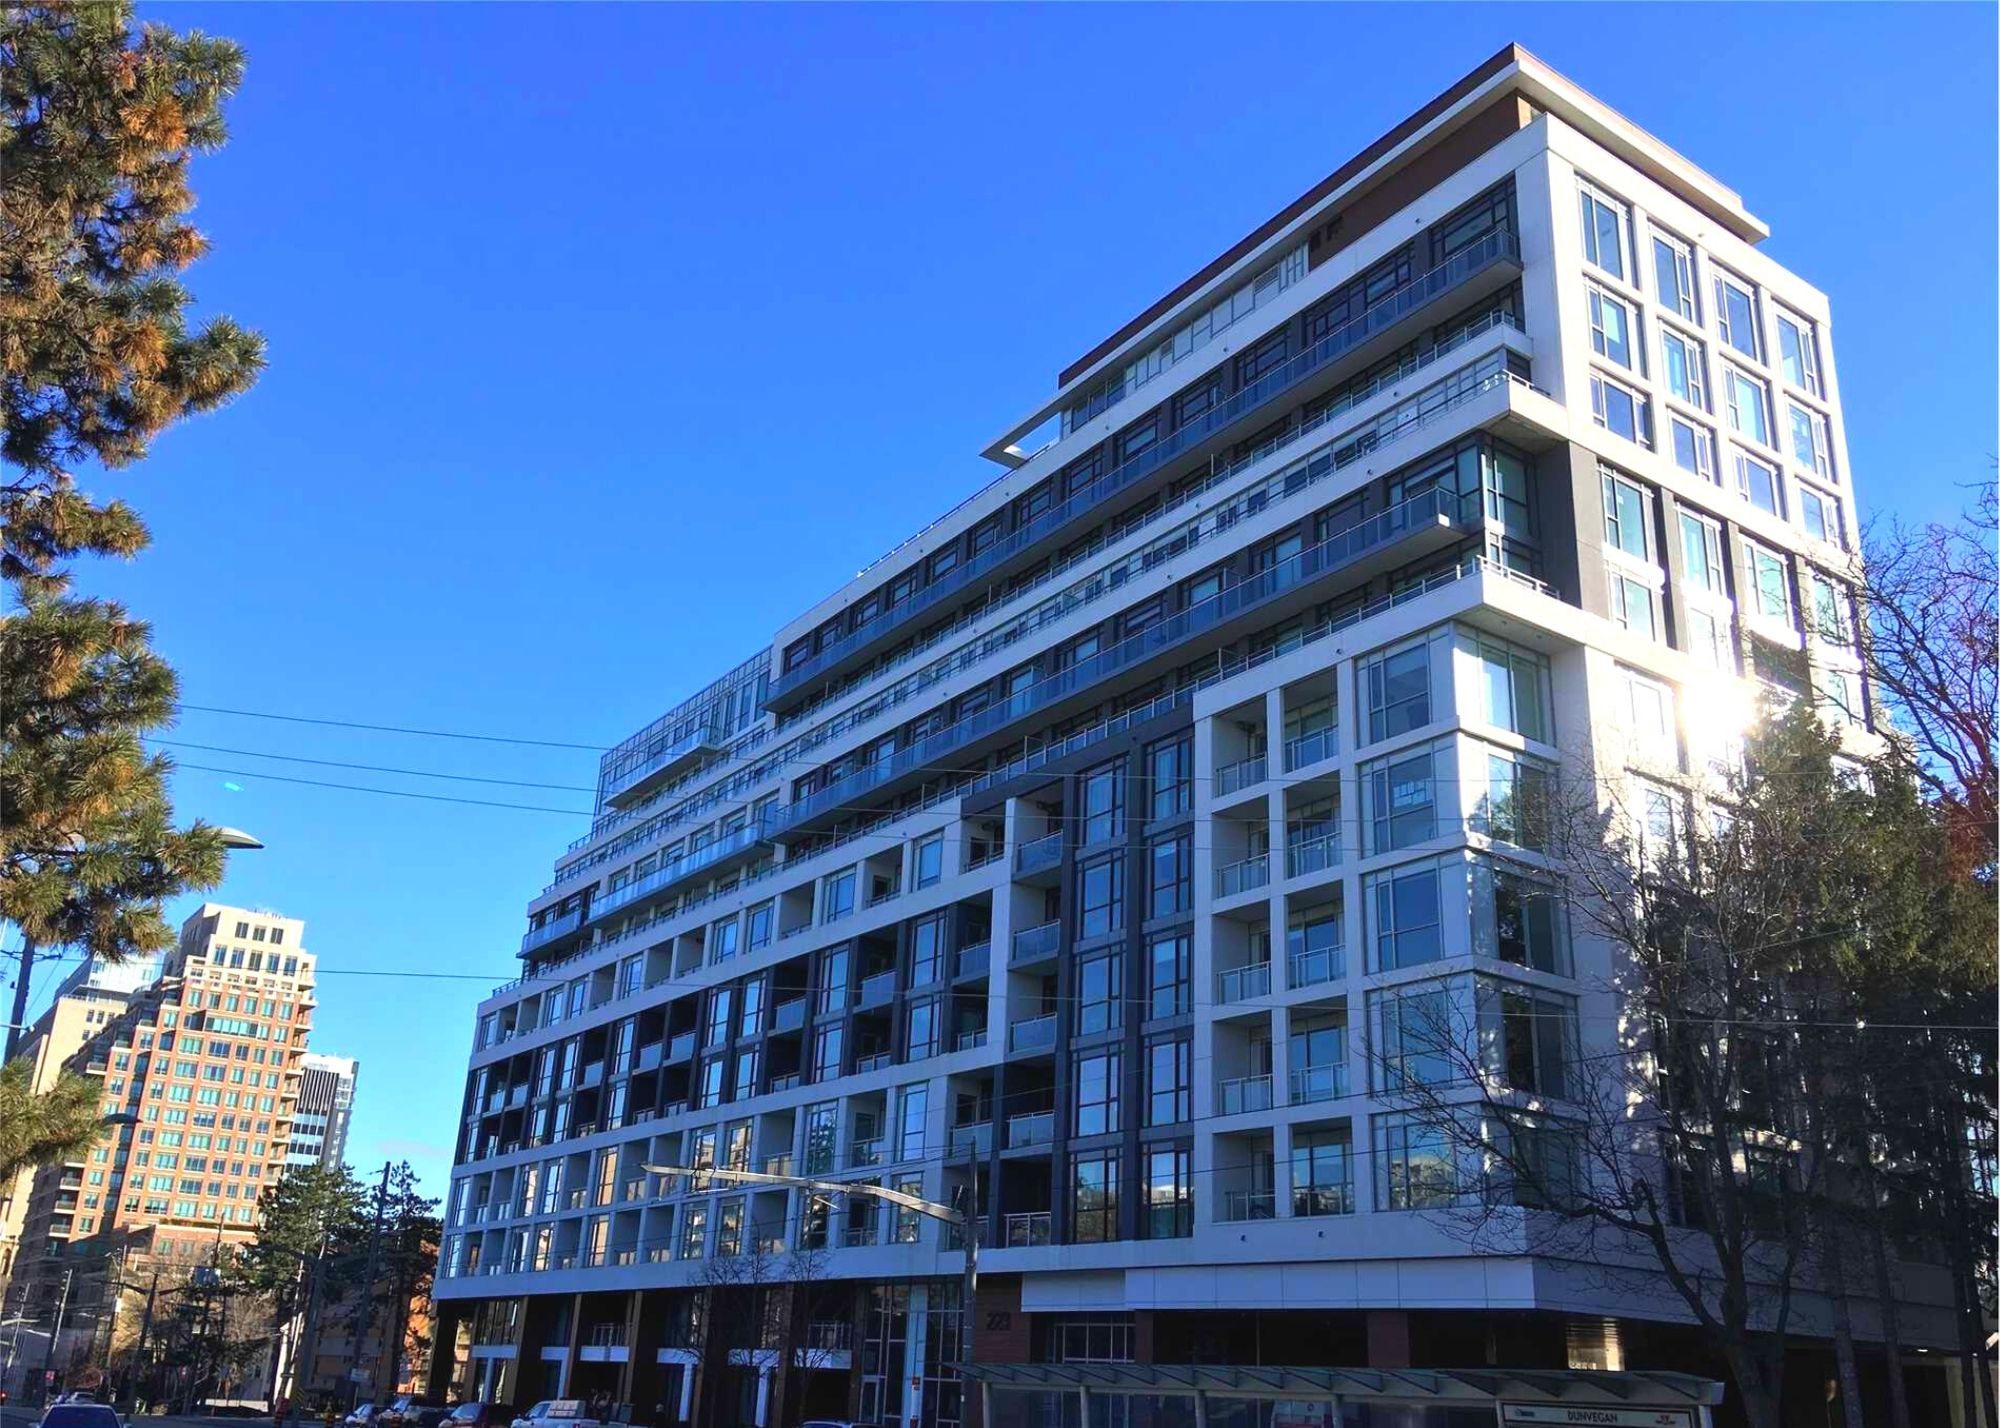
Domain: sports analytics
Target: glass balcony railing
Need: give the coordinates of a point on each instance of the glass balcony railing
(1035, 1034)
(1316, 747)
(877, 991)
(1241, 774)
(1328, 1197)
(1240, 984)
(1244, 876)
(1241, 1205)
(1031, 1230)
(1044, 852)
(866, 1153)
(1312, 855)
(1318, 1083)
(971, 1138)
(678, 755)
(1311, 969)
(1434, 510)
(555, 927)
(789, 1015)
(687, 865)
(1497, 247)
(1245, 1093)
(1033, 942)
(1031, 1128)
(974, 961)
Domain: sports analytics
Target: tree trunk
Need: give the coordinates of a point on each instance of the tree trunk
(1843, 1332)
(1761, 1401)
(1892, 1337)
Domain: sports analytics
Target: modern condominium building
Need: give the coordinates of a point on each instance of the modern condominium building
(1065, 865)
(326, 1104)
(202, 1065)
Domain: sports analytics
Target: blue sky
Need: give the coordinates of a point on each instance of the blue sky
(604, 339)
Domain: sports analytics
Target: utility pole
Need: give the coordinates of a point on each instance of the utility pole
(368, 1292)
(145, 1328)
(49, 1352)
(15, 1022)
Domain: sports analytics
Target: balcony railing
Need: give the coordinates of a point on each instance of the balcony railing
(1245, 876)
(688, 864)
(1436, 509)
(789, 1015)
(1313, 855)
(680, 1048)
(1318, 1083)
(1241, 774)
(1031, 1128)
(971, 1138)
(1043, 852)
(877, 991)
(1498, 246)
(829, 1335)
(865, 1153)
(1240, 1205)
(555, 927)
(676, 756)
(1036, 1034)
(1033, 942)
(1331, 1198)
(1310, 969)
(1245, 1093)
(1031, 1230)
(1316, 747)
(1240, 984)
(969, 1040)
(974, 961)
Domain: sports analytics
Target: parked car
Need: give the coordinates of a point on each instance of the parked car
(556, 1413)
(364, 1415)
(476, 1415)
(408, 1411)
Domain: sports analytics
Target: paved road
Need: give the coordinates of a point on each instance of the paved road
(11, 1417)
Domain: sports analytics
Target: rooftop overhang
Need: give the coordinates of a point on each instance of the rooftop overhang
(1512, 70)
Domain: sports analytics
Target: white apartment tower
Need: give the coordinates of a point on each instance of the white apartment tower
(1066, 861)
(326, 1104)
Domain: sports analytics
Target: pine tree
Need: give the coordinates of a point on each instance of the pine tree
(97, 357)
(35, 1130)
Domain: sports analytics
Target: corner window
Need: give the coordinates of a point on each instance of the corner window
(1515, 684)
(1758, 483)
(1820, 515)
(1611, 328)
(1771, 585)
(1398, 686)
(1402, 801)
(1525, 928)
(1619, 409)
(1749, 409)
(1809, 444)
(1701, 550)
(1684, 367)
(1625, 525)
(1632, 606)
(1798, 353)
(1406, 909)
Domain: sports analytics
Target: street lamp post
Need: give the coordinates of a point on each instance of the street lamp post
(967, 1221)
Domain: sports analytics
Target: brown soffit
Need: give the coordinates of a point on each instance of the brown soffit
(1510, 54)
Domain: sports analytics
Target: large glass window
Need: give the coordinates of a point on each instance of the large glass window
(1736, 314)
(1798, 353)
(1625, 525)
(1100, 992)
(1758, 481)
(1829, 610)
(1809, 441)
(1701, 549)
(1819, 513)
(1398, 688)
(1515, 806)
(1537, 1032)
(1771, 583)
(1322, 1172)
(927, 951)
(1749, 406)
(1611, 328)
(1515, 684)
(1619, 409)
(1402, 801)
(913, 1111)
(1673, 274)
(1419, 1170)
(1170, 879)
(1100, 887)
(1406, 910)
(1095, 1078)
(1526, 931)
(1170, 773)
(1684, 367)
(1416, 1030)
(929, 860)
(1094, 1198)
(1169, 1081)
(924, 1030)
(1649, 719)
(1694, 447)
(1632, 605)
(1169, 1193)
(1103, 797)
(1169, 985)
(1604, 229)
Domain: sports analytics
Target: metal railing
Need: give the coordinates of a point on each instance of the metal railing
(1244, 876)
(1314, 855)
(1241, 774)
(1030, 1230)
(1031, 1128)
(1318, 1083)
(974, 961)
(1033, 1034)
(1033, 942)
(1245, 1093)
(1043, 852)
(1310, 969)
(1332, 1198)
(1239, 984)
(1307, 749)
(1241, 1205)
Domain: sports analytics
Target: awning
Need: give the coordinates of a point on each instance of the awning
(1632, 1389)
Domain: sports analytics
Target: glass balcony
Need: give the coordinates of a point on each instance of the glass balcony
(865, 1153)
(1313, 855)
(1242, 877)
(1031, 1128)
(555, 927)
(877, 991)
(680, 1048)
(789, 1015)
(1330, 1197)
(971, 1138)
(687, 865)
(1241, 1205)
(683, 753)
(1032, 943)
(1241, 774)
(1485, 254)
(1438, 512)
(1035, 1034)
(1245, 1093)
(1240, 984)
(1318, 1083)
(1310, 969)
(975, 960)
(1031, 1230)
(1308, 749)
(1042, 853)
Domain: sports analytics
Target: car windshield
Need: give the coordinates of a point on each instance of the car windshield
(466, 1412)
(80, 1415)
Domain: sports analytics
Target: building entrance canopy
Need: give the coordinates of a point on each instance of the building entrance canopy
(1234, 1396)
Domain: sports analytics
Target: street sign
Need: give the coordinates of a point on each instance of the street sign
(1581, 1416)
(357, 1375)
